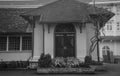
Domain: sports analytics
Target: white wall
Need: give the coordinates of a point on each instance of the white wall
(15, 56)
(81, 43)
(49, 39)
(90, 32)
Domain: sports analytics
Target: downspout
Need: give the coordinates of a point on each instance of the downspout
(98, 41)
(43, 39)
(33, 26)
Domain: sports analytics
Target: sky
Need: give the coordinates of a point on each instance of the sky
(7, 3)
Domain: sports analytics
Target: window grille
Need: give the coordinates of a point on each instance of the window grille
(3, 43)
(14, 43)
(26, 43)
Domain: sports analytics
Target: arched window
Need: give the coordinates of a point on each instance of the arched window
(105, 49)
(106, 54)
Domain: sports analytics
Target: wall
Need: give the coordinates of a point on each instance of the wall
(49, 39)
(113, 45)
(90, 32)
(15, 56)
(82, 45)
(81, 42)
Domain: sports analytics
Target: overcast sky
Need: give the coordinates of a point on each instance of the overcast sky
(32, 0)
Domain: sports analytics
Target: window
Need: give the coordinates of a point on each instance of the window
(109, 25)
(118, 25)
(14, 43)
(27, 43)
(118, 10)
(3, 43)
(105, 49)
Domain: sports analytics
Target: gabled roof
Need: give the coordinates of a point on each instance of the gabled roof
(10, 21)
(67, 11)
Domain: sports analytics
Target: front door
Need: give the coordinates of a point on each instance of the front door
(65, 41)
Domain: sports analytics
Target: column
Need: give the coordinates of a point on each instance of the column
(38, 41)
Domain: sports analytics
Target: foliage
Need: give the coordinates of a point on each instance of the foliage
(96, 63)
(58, 62)
(3, 65)
(72, 62)
(69, 62)
(84, 65)
(13, 64)
(88, 59)
(45, 61)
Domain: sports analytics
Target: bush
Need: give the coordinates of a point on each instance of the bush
(22, 64)
(88, 60)
(3, 65)
(12, 64)
(96, 63)
(59, 62)
(44, 61)
(72, 62)
(84, 65)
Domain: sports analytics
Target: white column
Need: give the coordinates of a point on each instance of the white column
(38, 41)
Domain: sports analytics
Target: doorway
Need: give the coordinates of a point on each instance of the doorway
(65, 40)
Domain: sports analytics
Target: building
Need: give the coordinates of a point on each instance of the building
(62, 28)
(111, 31)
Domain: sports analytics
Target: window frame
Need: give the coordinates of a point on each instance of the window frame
(20, 42)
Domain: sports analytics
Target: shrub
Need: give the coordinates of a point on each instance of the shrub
(88, 60)
(22, 64)
(84, 65)
(96, 63)
(3, 65)
(44, 61)
(12, 64)
(72, 62)
(59, 62)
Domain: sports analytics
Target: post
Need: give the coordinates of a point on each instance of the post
(43, 40)
(98, 42)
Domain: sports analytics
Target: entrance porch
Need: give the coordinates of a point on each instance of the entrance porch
(62, 40)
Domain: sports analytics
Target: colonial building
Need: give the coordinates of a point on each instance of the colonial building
(111, 31)
(63, 28)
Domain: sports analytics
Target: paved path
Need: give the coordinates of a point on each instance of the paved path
(113, 70)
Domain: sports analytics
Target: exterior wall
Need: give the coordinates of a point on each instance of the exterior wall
(15, 56)
(81, 43)
(82, 40)
(110, 44)
(90, 32)
(117, 48)
(49, 39)
(114, 22)
(20, 54)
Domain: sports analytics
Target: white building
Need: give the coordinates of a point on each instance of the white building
(62, 29)
(111, 31)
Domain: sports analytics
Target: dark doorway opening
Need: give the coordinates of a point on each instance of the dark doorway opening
(65, 40)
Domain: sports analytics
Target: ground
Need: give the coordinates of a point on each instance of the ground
(112, 70)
